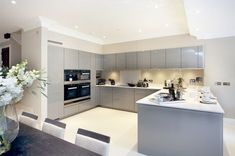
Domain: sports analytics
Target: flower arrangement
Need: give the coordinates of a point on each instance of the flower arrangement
(14, 81)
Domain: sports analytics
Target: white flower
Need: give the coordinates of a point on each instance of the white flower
(12, 86)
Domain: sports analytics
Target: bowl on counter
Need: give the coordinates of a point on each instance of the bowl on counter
(131, 84)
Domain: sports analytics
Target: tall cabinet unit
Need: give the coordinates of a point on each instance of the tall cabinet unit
(189, 57)
(99, 62)
(84, 60)
(121, 61)
(173, 58)
(131, 61)
(143, 60)
(158, 59)
(109, 62)
(55, 88)
(71, 58)
(200, 53)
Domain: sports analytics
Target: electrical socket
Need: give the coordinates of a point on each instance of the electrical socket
(218, 83)
(226, 83)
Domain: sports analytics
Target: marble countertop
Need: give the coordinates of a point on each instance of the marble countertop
(128, 87)
(190, 103)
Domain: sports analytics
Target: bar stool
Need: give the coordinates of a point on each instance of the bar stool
(29, 119)
(92, 141)
(54, 128)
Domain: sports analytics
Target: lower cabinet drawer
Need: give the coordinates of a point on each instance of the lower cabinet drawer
(70, 110)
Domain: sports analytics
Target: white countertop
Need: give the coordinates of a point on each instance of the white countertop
(128, 87)
(189, 103)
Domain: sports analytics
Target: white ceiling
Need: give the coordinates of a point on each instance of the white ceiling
(112, 21)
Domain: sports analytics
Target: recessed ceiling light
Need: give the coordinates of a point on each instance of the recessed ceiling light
(140, 30)
(104, 37)
(156, 6)
(167, 25)
(76, 27)
(13, 2)
(197, 29)
(197, 11)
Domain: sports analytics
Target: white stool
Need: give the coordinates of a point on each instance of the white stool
(29, 119)
(92, 141)
(54, 128)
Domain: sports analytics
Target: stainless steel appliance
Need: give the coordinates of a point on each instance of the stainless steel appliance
(76, 75)
(77, 86)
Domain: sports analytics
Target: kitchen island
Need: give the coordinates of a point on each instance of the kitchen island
(187, 128)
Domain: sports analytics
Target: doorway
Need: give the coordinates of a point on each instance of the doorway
(5, 57)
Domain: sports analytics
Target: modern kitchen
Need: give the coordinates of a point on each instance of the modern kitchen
(133, 86)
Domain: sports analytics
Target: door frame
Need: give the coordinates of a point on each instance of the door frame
(2, 47)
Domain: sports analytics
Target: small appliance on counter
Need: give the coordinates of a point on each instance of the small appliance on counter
(100, 81)
(143, 83)
(112, 81)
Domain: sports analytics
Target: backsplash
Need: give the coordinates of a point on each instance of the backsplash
(158, 76)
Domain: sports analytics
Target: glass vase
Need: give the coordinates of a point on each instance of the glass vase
(9, 127)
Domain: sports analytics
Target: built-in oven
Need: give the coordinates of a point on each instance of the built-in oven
(77, 92)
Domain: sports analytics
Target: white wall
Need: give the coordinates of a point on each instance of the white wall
(32, 49)
(219, 66)
(75, 43)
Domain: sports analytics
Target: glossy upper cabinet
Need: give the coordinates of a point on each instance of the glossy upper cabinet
(158, 59)
(99, 62)
(189, 57)
(200, 54)
(110, 62)
(143, 60)
(131, 60)
(84, 60)
(121, 61)
(71, 58)
(173, 58)
(55, 88)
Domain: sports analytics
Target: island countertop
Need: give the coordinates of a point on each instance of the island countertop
(188, 104)
(128, 87)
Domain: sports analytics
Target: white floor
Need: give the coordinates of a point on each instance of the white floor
(121, 126)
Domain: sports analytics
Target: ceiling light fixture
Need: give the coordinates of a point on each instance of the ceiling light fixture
(156, 6)
(197, 29)
(76, 27)
(197, 11)
(13, 2)
(167, 25)
(140, 30)
(104, 37)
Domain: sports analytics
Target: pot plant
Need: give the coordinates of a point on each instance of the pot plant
(13, 82)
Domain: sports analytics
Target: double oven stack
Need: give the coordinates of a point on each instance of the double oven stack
(77, 86)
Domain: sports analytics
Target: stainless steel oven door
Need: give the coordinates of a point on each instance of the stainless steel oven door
(71, 91)
(84, 90)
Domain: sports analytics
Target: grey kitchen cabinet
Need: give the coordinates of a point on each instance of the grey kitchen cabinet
(173, 58)
(70, 109)
(106, 97)
(70, 59)
(189, 57)
(143, 60)
(99, 61)
(109, 61)
(123, 99)
(55, 88)
(158, 59)
(141, 93)
(131, 60)
(84, 60)
(121, 61)
(200, 53)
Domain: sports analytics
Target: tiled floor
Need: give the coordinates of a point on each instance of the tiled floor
(121, 126)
